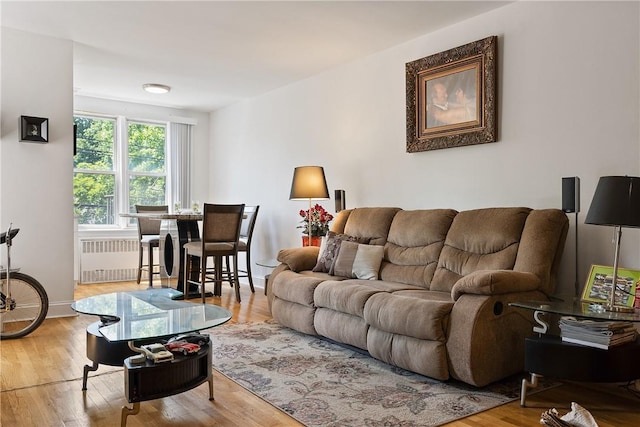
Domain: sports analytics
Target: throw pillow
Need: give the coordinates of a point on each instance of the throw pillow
(329, 250)
(358, 261)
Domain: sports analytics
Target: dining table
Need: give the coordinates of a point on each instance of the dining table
(177, 228)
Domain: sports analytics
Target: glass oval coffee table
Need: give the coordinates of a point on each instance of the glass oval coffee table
(130, 319)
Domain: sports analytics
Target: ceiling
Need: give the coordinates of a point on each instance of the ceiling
(213, 53)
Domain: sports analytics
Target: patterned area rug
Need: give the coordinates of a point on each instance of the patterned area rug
(320, 383)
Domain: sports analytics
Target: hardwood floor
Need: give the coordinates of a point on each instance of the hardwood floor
(41, 381)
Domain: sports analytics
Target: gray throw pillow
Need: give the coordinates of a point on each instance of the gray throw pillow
(331, 249)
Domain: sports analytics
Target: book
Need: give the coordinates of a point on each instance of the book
(598, 334)
(596, 344)
(593, 325)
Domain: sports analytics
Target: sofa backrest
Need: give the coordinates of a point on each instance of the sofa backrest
(542, 244)
(492, 239)
(434, 248)
(413, 247)
(481, 239)
(370, 223)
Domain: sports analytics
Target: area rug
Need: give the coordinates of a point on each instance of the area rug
(321, 383)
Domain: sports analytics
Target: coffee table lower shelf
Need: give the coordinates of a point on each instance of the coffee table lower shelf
(150, 381)
(549, 356)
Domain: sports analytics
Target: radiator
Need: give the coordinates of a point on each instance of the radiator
(108, 260)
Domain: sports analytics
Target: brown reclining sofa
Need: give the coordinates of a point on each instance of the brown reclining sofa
(438, 304)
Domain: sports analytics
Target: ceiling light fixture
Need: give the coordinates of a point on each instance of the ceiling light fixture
(156, 88)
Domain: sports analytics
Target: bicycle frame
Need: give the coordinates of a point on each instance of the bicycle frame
(6, 296)
(23, 300)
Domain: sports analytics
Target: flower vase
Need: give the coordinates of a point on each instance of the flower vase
(315, 241)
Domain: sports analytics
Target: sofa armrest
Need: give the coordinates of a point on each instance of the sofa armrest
(495, 282)
(299, 259)
(486, 336)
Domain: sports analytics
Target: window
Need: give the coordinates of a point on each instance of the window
(147, 164)
(118, 164)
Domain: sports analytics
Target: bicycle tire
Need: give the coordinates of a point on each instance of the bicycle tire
(28, 306)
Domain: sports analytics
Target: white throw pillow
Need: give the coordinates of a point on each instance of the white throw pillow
(358, 261)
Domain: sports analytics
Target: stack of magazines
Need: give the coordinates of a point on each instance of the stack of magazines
(596, 333)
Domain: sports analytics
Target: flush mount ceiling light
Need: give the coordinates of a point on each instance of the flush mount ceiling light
(156, 88)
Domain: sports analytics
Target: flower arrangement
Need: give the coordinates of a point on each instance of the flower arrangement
(320, 219)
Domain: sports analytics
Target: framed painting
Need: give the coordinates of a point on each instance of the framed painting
(598, 286)
(451, 97)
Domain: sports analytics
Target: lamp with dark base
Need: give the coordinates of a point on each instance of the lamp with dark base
(309, 183)
(616, 203)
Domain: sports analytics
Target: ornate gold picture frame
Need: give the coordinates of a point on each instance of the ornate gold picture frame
(451, 97)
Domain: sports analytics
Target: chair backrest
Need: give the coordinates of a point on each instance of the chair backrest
(221, 223)
(148, 226)
(248, 223)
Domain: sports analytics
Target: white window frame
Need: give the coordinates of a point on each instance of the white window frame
(121, 170)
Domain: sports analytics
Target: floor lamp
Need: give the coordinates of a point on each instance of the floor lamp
(616, 203)
(309, 183)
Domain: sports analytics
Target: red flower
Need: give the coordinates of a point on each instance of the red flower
(320, 219)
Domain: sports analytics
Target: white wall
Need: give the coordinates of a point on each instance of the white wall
(568, 106)
(36, 179)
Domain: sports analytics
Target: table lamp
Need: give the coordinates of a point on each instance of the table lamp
(309, 183)
(616, 203)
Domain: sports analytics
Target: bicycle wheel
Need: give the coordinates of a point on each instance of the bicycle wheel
(24, 309)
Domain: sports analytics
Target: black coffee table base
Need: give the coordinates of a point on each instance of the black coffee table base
(549, 356)
(103, 352)
(149, 381)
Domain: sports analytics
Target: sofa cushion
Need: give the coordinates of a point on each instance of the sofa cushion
(425, 357)
(341, 327)
(541, 246)
(414, 244)
(295, 287)
(482, 239)
(330, 247)
(339, 221)
(372, 223)
(345, 297)
(349, 296)
(414, 314)
(293, 315)
(358, 261)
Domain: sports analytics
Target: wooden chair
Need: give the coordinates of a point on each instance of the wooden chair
(148, 237)
(220, 238)
(246, 236)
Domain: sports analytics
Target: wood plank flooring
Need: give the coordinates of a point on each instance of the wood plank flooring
(41, 381)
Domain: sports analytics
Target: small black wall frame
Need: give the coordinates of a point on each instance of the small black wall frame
(34, 129)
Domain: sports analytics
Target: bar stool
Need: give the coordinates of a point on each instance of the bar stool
(220, 236)
(149, 238)
(244, 244)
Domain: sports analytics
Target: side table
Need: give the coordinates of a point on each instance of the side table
(547, 355)
(268, 263)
